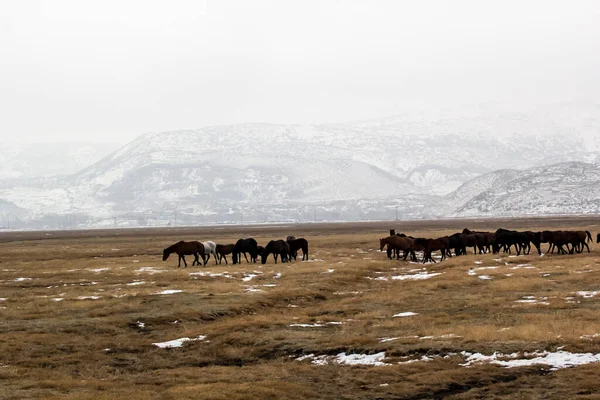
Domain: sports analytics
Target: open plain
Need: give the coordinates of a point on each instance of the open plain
(98, 314)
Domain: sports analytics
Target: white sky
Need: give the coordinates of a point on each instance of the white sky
(111, 70)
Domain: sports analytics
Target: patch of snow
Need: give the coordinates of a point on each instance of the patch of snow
(347, 359)
(89, 297)
(306, 325)
(248, 277)
(484, 277)
(140, 324)
(415, 277)
(557, 360)
(587, 294)
(150, 270)
(178, 342)
(98, 270)
(423, 358)
(405, 314)
(169, 291)
(136, 283)
(22, 279)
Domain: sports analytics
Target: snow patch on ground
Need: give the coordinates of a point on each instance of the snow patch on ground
(150, 270)
(169, 291)
(587, 294)
(347, 359)
(405, 314)
(178, 342)
(556, 360)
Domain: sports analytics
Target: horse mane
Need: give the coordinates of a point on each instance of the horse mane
(171, 247)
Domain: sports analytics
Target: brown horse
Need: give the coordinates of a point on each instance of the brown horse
(430, 245)
(185, 248)
(223, 250)
(277, 248)
(397, 244)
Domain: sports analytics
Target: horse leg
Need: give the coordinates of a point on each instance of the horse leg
(246, 257)
(179, 264)
(588, 247)
(183, 258)
(275, 255)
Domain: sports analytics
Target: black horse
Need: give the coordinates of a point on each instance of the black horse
(244, 246)
(277, 248)
(298, 244)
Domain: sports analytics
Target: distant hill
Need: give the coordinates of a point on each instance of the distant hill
(420, 165)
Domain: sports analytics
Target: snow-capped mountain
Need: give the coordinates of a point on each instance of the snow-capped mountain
(356, 170)
(564, 188)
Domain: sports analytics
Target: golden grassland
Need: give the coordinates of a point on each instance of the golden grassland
(81, 311)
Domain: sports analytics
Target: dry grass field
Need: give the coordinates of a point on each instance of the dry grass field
(80, 313)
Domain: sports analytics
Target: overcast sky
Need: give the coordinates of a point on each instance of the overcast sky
(111, 70)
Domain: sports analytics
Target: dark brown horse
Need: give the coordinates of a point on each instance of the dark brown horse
(397, 244)
(185, 248)
(223, 250)
(430, 245)
(298, 244)
(277, 248)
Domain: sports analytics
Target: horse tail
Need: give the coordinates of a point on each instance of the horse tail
(589, 236)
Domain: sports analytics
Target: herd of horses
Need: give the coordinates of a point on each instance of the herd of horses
(564, 242)
(484, 242)
(287, 250)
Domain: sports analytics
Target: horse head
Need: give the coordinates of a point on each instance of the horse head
(382, 243)
(165, 254)
(234, 257)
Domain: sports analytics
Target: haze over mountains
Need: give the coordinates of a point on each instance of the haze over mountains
(415, 164)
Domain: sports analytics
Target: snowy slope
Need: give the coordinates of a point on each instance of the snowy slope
(355, 170)
(565, 188)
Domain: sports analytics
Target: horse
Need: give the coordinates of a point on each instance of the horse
(277, 248)
(506, 238)
(488, 238)
(298, 244)
(558, 239)
(455, 243)
(244, 246)
(210, 247)
(397, 243)
(535, 238)
(598, 238)
(430, 245)
(185, 248)
(475, 240)
(223, 250)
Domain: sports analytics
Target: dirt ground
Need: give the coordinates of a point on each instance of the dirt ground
(91, 315)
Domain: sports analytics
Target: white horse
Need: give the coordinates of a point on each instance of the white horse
(210, 247)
